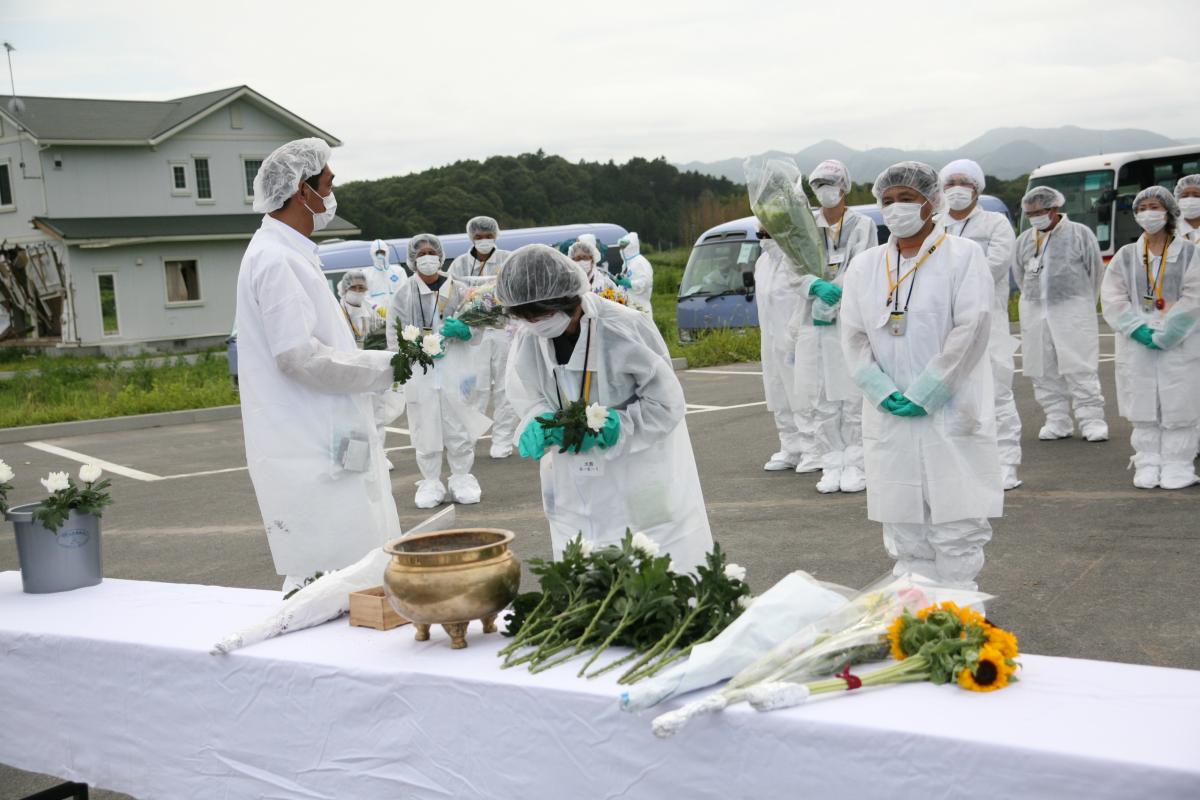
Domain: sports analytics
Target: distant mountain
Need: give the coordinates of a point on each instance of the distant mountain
(1003, 152)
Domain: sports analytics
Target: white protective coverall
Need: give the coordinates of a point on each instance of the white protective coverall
(313, 452)
(489, 354)
(640, 273)
(383, 279)
(1059, 273)
(994, 235)
(777, 296)
(648, 480)
(1158, 391)
(441, 410)
(932, 481)
(825, 391)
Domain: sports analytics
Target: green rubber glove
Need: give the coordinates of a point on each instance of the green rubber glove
(624, 282)
(607, 435)
(827, 292)
(909, 409)
(820, 323)
(456, 329)
(892, 402)
(1145, 335)
(533, 441)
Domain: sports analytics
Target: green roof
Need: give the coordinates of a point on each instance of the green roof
(87, 121)
(77, 230)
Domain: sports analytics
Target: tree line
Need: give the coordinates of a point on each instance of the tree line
(667, 207)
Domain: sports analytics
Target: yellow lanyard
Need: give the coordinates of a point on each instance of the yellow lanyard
(1155, 286)
(353, 327)
(894, 285)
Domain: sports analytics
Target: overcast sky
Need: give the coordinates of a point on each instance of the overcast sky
(409, 85)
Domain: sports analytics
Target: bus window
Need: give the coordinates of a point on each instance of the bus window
(1088, 195)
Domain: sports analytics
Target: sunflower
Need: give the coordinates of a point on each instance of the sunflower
(894, 632)
(1004, 641)
(966, 616)
(991, 672)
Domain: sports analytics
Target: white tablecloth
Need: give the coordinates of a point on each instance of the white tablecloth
(113, 685)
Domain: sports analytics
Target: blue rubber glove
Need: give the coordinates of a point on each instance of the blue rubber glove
(892, 402)
(909, 409)
(827, 292)
(624, 282)
(456, 329)
(1144, 335)
(533, 441)
(607, 435)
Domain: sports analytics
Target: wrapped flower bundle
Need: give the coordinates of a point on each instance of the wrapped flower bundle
(778, 201)
(578, 425)
(626, 596)
(482, 309)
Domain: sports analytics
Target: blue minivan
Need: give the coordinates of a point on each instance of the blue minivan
(717, 290)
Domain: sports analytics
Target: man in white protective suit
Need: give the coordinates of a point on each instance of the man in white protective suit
(312, 449)
(916, 313)
(962, 183)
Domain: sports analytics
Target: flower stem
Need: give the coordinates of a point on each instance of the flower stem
(613, 665)
(611, 637)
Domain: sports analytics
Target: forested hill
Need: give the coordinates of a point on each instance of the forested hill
(665, 206)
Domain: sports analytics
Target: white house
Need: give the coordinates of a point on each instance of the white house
(123, 222)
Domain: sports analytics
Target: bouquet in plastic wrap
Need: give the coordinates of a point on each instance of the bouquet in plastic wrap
(859, 632)
(482, 309)
(778, 201)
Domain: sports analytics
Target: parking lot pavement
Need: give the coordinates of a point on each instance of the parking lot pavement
(1082, 563)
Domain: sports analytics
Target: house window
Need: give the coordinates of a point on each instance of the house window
(108, 304)
(183, 282)
(6, 195)
(250, 168)
(203, 181)
(179, 178)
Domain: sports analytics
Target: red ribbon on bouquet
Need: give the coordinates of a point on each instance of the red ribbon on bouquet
(852, 681)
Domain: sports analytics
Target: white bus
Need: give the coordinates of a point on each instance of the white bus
(1100, 189)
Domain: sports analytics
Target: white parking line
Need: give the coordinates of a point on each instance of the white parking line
(203, 474)
(728, 408)
(116, 469)
(398, 430)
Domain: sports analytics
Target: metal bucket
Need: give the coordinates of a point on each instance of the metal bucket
(56, 561)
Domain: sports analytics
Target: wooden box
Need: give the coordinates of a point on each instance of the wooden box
(371, 609)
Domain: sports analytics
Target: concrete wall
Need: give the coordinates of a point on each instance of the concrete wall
(142, 307)
(136, 181)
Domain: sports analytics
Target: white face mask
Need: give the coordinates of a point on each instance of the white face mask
(828, 196)
(1040, 222)
(1189, 207)
(381, 260)
(588, 266)
(903, 219)
(354, 298)
(549, 327)
(485, 246)
(1151, 221)
(323, 218)
(958, 197)
(428, 265)
(629, 250)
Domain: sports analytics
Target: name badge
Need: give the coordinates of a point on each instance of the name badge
(586, 465)
(1148, 303)
(1032, 266)
(897, 324)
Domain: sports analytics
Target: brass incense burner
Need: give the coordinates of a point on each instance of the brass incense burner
(449, 578)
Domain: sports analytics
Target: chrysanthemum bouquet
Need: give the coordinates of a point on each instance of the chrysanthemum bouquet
(577, 425)
(414, 348)
(620, 296)
(625, 596)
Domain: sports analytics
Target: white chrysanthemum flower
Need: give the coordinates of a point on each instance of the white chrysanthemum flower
(745, 602)
(692, 602)
(597, 415)
(645, 544)
(411, 333)
(735, 572)
(432, 344)
(586, 547)
(56, 481)
(90, 473)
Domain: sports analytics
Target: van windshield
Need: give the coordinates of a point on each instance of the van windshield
(1089, 200)
(717, 268)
